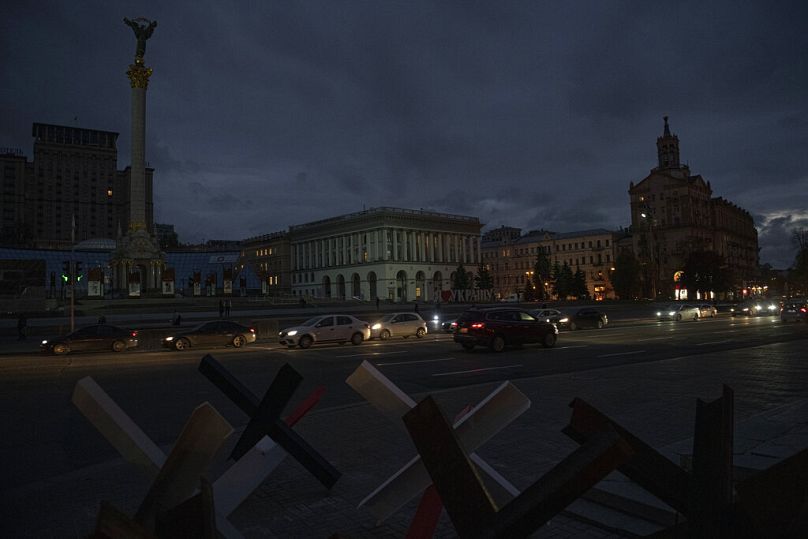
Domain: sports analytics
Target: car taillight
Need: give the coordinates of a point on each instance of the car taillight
(252, 330)
(134, 334)
(804, 310)
(478, 325)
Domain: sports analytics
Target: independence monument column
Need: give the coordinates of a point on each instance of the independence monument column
(138, 260)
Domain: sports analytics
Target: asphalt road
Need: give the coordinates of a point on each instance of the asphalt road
(44, 435)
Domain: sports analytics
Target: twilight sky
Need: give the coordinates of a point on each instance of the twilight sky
(522, 113)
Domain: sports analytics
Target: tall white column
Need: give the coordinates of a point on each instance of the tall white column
(139, 81)
(394, 232)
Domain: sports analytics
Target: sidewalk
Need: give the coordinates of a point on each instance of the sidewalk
(656, 401)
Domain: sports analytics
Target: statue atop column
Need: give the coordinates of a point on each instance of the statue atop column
(143, 29)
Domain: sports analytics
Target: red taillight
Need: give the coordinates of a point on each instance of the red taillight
(478, 325)
(134, 334)
(804, 310)
(453, 325)
(252, 330)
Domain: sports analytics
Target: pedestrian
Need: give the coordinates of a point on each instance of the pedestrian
(102, 320)
(227, 306)
(221, 308)
(22, 323)
(377, 303)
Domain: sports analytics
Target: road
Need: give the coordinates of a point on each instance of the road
(45, 436)
(646, 372)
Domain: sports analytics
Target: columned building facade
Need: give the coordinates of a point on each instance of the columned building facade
(386, 253)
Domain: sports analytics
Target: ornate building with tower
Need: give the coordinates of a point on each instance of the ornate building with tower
(674, 213)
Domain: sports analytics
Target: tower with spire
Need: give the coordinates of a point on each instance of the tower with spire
(667, 148)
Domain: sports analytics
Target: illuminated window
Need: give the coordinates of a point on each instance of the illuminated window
(109, 193)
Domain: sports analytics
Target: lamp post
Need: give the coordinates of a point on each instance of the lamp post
(653, 251)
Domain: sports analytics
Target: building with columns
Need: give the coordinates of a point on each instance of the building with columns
(387, 253)
(674, 213)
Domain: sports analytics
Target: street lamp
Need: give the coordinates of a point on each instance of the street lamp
(653, 251)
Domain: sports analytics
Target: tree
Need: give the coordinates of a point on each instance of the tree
(578, 288)
(704, 272)
(563, 280)
(483, 280)
(461, 279)
(626, 276)
(541, 273)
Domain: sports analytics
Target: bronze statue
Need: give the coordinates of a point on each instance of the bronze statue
(143, 29)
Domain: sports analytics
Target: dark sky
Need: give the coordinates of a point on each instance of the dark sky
(528, 114)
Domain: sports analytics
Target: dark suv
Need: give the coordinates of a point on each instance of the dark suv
(496, 327)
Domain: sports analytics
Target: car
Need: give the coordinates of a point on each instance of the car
(339, 328)
(554, 316)
(794, 311)
(101, 337)
(707, 311)
(591, 318)
(498, 327)
(448, 326)
(214, 333)
(679, 311)
(398, 325)
(756, 307)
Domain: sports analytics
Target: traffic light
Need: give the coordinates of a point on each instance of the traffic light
(66, 271)
(79, 274)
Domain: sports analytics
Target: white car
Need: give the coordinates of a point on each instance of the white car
(707, 311)
(339, 328)
(398, 325)
(678, 312)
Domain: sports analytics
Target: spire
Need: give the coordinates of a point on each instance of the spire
(667, 148)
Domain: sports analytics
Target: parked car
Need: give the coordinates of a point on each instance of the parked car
(398, 325)
(756, 307)
(497, 327)
(215, 333)
(794, 311)
(588, 318)
(679, 311)
(707, 310)
(338, 328)
(554, 316)
(101, 337)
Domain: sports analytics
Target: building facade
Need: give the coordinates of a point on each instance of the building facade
(387, 253)
(268, 257)
(674, 213)
(511, 257)
(73, 175)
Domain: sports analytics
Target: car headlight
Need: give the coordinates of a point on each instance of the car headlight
(169, 338)
(436, 318)
(772, 307)
(671, 313)
(759, 307)
(45, 341)
(564, 320)
(292, 333)
(659, 314)
(745, 309)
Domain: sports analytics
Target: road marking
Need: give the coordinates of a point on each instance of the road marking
(653, 339)
(475, 370)
(413, 362)
(375, 354)
(713, 342)
(568, 347)
(624, 353)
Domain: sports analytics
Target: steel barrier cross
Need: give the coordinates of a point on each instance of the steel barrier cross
(480, 424)
(265, 417)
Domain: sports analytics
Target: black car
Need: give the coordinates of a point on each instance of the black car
(97, 338)
(588, 318)
(497, 327)
(448, 326)
(216, 333)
